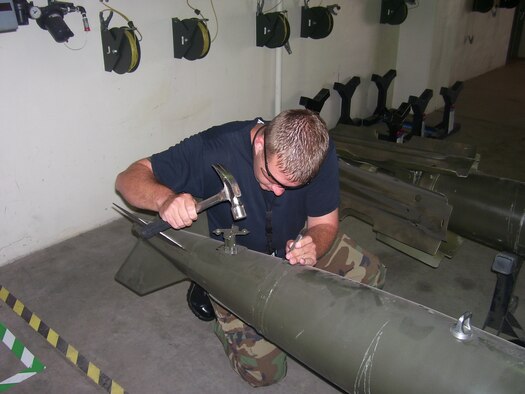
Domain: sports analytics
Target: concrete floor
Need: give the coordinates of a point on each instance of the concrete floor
(153, 344)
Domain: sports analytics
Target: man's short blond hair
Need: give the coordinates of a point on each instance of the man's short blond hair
(299, 138)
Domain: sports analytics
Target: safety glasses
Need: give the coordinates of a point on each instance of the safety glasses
(269, 174)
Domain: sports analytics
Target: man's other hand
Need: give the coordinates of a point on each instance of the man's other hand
(304, 252)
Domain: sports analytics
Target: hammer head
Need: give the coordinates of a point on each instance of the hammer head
(231, 192)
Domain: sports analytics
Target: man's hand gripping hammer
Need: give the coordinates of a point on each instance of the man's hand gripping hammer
(230, 192)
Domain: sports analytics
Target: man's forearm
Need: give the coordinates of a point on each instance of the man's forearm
(323, 230)
(323, 236)
(139, 187)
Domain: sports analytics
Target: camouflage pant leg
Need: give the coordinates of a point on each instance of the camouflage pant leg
(257, 361)
(347, 259)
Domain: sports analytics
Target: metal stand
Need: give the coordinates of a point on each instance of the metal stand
(447, 125)
(500, 317)
(346, 92)
(382, 83)
(394, 120)
(419, 106)
(315, 104)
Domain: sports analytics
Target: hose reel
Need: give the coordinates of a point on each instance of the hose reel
(393, 12)
(272, 28)
(487, 5)
(508, 3)
(482, 5)
(191, 38)
(120, 45)
(317, 22)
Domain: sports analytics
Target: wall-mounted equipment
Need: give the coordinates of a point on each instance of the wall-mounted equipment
(7, 16)
(191, 38)
(393, 12)
(508, 3)
(488, 5)
(120, 45)
(50, 17)
(482, 5)
(272, 28)
(317, 22)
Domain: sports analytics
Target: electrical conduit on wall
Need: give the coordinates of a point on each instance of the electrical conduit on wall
(278, 73)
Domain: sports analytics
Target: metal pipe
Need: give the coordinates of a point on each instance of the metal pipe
(278, 74)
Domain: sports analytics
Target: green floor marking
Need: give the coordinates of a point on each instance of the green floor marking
(52, 337)
(33, 365)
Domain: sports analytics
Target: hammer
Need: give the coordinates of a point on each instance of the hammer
(230, 192)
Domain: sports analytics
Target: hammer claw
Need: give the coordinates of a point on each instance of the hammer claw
(227, 179)
(230, 192)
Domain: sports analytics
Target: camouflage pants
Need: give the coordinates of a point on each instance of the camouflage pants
(261, 363)
(347, 259)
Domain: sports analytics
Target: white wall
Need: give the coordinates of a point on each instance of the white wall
(490, 34)
(68, 127)
(435, 50)
(414, 53)
(358, 46)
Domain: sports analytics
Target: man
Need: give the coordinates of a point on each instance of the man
(266, 161)
(288, 174)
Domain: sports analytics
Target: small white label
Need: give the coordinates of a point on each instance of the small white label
(451, 120)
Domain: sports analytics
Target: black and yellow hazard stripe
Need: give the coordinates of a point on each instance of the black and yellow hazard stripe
(72, 354)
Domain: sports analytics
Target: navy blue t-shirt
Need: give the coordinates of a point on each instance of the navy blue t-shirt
(187, 168)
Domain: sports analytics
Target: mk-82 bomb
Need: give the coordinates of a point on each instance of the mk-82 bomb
(421, 195)
(362, 339)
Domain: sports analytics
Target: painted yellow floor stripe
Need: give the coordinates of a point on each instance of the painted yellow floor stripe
(52, 337)
(3, 294)
(18, 308)
(34, 322)
(72, 354)
(91, 371)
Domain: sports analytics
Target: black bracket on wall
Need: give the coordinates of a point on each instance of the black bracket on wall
(317, 22)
